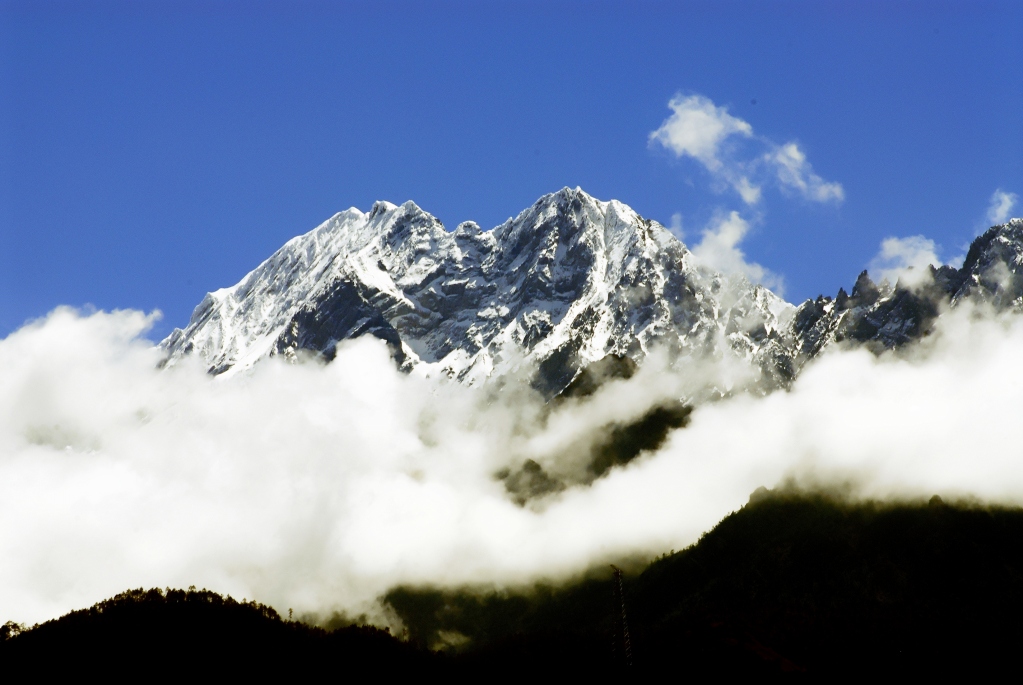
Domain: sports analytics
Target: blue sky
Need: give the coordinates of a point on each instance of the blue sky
(151, 151)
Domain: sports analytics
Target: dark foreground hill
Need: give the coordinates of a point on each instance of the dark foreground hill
(146, 633)
(791, 585)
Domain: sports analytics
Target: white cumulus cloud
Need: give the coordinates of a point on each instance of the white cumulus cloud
(697, 128)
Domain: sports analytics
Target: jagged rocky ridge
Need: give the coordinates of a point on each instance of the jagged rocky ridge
(566, 283)
(882, 316)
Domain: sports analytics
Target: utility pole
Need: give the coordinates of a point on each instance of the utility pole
(621, 645)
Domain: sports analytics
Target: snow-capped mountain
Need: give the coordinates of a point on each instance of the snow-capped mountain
(566, 283)
(569, 281)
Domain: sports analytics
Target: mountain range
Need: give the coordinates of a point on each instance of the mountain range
(570, 281)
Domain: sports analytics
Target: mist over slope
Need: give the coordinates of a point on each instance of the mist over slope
(791, 583)
(320, 481)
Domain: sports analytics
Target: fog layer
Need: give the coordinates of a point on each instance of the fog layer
(318, 487)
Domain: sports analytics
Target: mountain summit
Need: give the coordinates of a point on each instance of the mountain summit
(566, 283)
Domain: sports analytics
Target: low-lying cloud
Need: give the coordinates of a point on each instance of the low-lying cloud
(318, 487)
(701, 130)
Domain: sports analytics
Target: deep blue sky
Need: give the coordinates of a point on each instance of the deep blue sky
(151, 151)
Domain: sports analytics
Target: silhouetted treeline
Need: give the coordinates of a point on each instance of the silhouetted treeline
(155, 633)
(792, 585)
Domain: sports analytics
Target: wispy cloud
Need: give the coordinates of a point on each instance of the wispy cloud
(905, 259)
(676, 226)
(719, 249)
(706, 132)
(1001, 205)
(794, 173)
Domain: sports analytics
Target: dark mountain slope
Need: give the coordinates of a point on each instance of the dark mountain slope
(791, 585)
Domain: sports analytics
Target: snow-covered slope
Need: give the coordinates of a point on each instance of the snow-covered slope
(567, 282)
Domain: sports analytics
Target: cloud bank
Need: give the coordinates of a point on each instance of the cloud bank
(319, 487)
(699, 129)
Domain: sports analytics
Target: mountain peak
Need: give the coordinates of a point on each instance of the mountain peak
(568, 192)
(381, 207)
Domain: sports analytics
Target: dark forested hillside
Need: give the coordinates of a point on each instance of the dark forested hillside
(790, 585)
